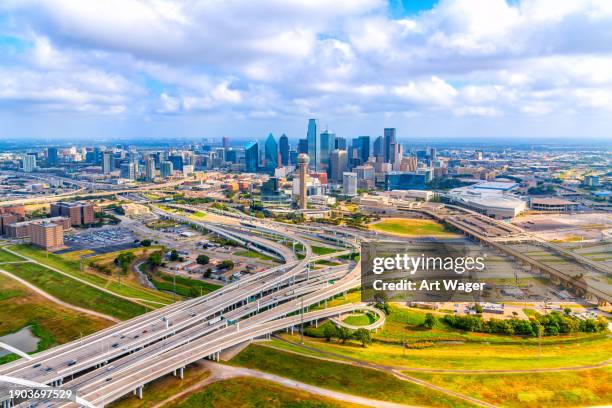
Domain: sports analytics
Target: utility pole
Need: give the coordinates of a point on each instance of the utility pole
(174, 290)
(302, 322)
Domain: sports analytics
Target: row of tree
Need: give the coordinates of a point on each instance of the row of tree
(331, 331)
(551, 324)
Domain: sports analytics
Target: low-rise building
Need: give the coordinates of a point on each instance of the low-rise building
(552, 204)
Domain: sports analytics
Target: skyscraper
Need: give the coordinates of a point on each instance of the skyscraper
(389, 139)
(251, 157)
(225, 142)
(338, 164)
(52, 156)
(340, 143)
(349, 183)
(379, 149)
(150, 168)
(166, 169)
(271, 152)
(362, 144)
(302, 146)
(314, 144)
(303, 173)
(328, 142)
(128, 171)
(177, 161)
(283, 147)
(107, 162)
(29, 162)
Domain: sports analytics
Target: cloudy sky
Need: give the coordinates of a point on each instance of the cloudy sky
(434, 69)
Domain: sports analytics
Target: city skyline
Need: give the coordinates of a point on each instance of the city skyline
(436, 69)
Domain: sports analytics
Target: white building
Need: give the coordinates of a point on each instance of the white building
(491, 199)
(349, 183)
(29, 163)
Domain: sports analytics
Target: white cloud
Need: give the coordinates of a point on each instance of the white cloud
(286, 58)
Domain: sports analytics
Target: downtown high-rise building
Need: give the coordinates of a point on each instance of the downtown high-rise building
(328, 142)
(271, 152)
(283, 147)
(378, 149)
(314, 144)
(349, 183)
(107, 162)
(340, 143)
(128, 170)
(389, 139)
(166, 168)
(361, 149)
(52, 156)
(251, 157)
(302, 146)
(29, 162)
(338, 164)
(150, 168)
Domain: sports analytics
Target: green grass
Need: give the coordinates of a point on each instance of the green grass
(561, 389)
(185, 287)
(73, 292)
(409, 227)
(8, 257)
(253, 254)
(319, 250)
(52, 324)
(248, 392)
(342, 377)
(461, 356)
(72, 266)
(361, 319)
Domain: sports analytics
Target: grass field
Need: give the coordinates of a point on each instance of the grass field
(319, 250)
(360, 319)
(342, 377)
(8, 257)
(70, 263)
(162, 388)
(255, 393)
(253, 254)
(453, 355)
(562, 389)
(73, 292)
(20, 307)
(410, 227)
(185, 287)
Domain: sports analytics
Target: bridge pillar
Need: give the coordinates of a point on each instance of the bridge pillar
(218, 356)
(181, 372)
(140, 392)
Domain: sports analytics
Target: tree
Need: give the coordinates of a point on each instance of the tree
(174, 255)
(567, 311)
(155, 259)
(124, 260)
(330, 331)
(430, 321)
(364, 336)
(145, 242)
(227, 264)
(208, 273)
(344, 334)
(202, 259)
(477, 308)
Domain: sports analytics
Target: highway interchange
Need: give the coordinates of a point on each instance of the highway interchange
(121, 359)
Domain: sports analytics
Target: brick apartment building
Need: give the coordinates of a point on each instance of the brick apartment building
(79, 213)
(47, 235)
(10, 215)
(22, 229)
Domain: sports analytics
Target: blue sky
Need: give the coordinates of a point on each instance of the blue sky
(478, 69)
